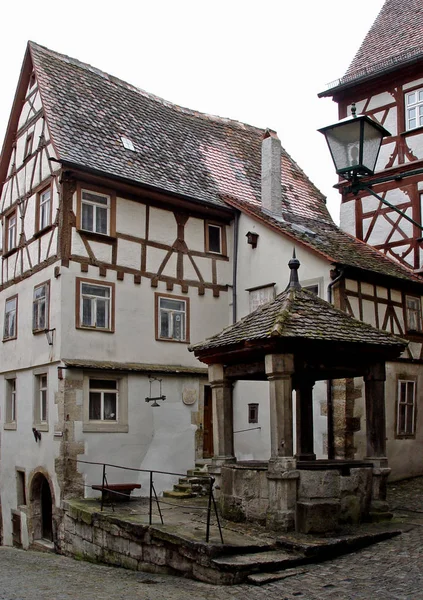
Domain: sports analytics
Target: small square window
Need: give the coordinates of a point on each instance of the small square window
(215, 238)
(103, 400)
(40, 307)
(253, 413)
(43, 209)
(406, 408)
(95, 305)
(261, 295)
(413, 313)
(172, 318)
(105, 406)
(10, 328)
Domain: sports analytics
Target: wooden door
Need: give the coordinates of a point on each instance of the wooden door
(208, 423)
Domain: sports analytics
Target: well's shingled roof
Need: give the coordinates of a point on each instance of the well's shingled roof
(299, 314)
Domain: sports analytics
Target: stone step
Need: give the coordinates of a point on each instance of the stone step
(195, 473)
(183, 487)
(177, 495)
(262, 578)
(258, 561)
(195, 480)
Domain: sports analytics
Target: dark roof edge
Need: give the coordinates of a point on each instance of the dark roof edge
(358, 272)
(352, 81)
(129, 366)
(71, 165)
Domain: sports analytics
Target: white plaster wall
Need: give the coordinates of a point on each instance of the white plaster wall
(19, 448)
(347, 217)
(194, 234)
(162, 226)
(415, 143)
(129, 254)
(380, 100)
(130, 217)
(134, 337)
(268, 262)
(385, 153)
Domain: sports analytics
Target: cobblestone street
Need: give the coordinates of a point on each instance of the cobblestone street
(388, 570)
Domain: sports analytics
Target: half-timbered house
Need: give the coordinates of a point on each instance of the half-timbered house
(385, 81)
(131, 228)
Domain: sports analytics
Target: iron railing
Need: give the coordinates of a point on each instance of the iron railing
(108, 488)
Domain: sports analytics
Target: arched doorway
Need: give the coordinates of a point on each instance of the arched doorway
(42, 508)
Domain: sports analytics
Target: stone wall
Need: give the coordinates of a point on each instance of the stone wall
(244, 494)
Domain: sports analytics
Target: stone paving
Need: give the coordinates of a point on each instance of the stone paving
(391, 570)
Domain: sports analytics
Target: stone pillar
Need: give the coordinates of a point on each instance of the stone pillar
(282, 476)
(375, 412)
(279, 371)
(374, 382)
(304, 420)
(223, 430)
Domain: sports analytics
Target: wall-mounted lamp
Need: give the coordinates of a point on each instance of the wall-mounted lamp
(252, 238)
(49, 335)
(37, 434)
(161, 396)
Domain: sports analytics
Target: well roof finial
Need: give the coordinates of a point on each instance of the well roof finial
(294, 265)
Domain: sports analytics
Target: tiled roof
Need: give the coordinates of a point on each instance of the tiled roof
(108, 365)
(299, 314)
(325, 238)
(177, 150)
(395, 37)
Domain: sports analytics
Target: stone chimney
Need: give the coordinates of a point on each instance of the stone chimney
(271, 193)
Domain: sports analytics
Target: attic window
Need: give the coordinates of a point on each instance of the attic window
(127, 143)
(32, 80)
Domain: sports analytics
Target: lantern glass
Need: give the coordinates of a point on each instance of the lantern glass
(354, 144)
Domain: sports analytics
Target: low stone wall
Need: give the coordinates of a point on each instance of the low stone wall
(97, 537)
(244, 494)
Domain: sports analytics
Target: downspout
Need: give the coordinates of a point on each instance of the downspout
(329, 394)
(235, 269)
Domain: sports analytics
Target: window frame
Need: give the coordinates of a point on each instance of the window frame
(406, 434)
(38, 209)
(417, 310)
(253, 412)
(111, 212)
(39, 422)
(413, 106)
(10, 245)
(29, 142)
(15, 332)
(45, 284)
(120, 425)
(260, 294)
(79, 304)
(223, 247)
(10, 396)
(157, 319)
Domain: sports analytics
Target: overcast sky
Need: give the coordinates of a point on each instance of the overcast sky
(262, 63)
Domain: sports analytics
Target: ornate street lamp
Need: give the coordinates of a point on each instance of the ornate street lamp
(354, 143)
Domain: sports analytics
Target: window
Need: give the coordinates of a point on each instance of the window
(10, 404)
(172, 318)
(406, 407)
(28, 145)
(105, 403)
(215, 238)
(20, 488)
(10, 231)
(103, 400)
(414, 109)
(413, 313)
(10, 330)
(95, 212)
(41, 401)
(44, 209)
(253, 413)
(260, 295)
(95, 305)
(40, 307)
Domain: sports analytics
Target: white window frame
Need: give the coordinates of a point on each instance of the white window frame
(172, 316)
(413, 313)
(37, 304)
(44, 209)
(96, 207)
(94, 301)
(41, 400)
(11, 225)
(257, 296)
(102, 392)
(10, 402)
(403, 400)
(10, 325)
(414, 109)
(118, 425)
